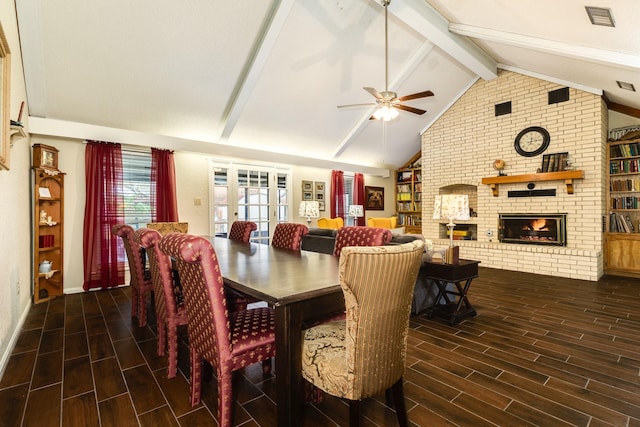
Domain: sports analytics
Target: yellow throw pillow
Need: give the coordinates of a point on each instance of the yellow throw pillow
(331, 223)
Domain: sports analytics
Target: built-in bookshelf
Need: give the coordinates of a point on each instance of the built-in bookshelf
(408, 181)
(622, 223)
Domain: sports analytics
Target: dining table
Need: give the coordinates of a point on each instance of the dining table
(301, 286)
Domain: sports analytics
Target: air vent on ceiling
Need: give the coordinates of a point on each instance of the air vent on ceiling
(600, 16)
(626, 86)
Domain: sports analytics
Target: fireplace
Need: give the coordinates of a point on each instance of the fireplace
(533, 229)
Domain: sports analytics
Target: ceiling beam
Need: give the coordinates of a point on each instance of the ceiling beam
(82, 131)
(266, 40)
(598, 56)
(419, 15)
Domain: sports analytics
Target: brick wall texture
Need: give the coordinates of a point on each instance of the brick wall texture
(458, 150)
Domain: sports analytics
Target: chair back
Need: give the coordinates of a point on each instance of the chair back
(204, 297)
(167, 297)
(332, 223)
(390, 222)
(377, 283)
(360, 236)
(288, 235)
(134, 253)
(169, 227)
(241, 230)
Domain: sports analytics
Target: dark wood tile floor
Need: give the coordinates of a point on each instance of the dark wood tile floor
(542, 351)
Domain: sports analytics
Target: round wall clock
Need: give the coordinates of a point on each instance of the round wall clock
(532, 141)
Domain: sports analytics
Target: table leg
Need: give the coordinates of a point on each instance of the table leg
(288, 364)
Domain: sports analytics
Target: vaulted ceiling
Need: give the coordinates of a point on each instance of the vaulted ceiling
(263, 79)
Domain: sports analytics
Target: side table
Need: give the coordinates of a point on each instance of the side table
(452, 304)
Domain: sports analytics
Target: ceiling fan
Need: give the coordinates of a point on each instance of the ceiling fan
(388, 102)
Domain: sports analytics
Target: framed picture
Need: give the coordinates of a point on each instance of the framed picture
(321, 206)
(307, 195)
(5, 80)
(307, 186)
(374, 198)
(318, 189)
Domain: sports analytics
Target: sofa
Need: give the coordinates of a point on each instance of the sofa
(323, 240)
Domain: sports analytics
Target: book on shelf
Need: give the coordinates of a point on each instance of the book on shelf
(619, 223)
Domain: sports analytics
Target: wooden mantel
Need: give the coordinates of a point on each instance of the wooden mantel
(567, 176)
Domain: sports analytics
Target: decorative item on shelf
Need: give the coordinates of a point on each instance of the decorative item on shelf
(451, 207)
(499, 165)
(309, 209)
(356, 211)
(43, 216)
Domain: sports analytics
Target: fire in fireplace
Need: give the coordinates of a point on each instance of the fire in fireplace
(537, 229)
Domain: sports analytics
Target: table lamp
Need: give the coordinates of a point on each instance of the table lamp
(309, 209)
(356, 211)
(451, 207)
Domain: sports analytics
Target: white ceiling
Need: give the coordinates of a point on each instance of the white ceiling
(262, 79)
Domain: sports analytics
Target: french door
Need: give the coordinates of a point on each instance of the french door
(246, 192)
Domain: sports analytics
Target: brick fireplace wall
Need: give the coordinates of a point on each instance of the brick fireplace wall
(458, 150)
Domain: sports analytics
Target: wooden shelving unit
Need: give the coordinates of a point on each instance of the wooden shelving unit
(566, 176)
(622, 236)
(48, 224)
(409, 195)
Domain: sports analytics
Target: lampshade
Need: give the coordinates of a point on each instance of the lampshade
(451, 207)
(356, 211)
(309, 209)
(385, 112)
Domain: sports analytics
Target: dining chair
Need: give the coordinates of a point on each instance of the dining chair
(227, 340)
(169, 227)
(360, 236)
(288, 235)
(364, 355)
(168, 297)
(141, 284)
(241, 230)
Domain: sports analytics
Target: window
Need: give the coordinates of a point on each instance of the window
(136, 177)
(348, 197)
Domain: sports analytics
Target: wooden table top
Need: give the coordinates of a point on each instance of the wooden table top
(277, 276)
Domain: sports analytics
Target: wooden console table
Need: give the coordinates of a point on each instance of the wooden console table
(567, 176)
(460, 275)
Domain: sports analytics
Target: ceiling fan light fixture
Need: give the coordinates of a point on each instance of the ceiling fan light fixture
(385, 113)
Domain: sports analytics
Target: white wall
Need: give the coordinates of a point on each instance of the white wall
(15, 208)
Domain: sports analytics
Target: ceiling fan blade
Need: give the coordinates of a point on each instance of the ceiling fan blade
(368, 104)
(416, 95)
(410, 109)
(373, 92)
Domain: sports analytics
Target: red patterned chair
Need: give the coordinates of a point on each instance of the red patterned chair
(228, 341)
(288, 235)
(361, 236)
(241, 230)
(168, 298)
(364, 355)
(141, 285)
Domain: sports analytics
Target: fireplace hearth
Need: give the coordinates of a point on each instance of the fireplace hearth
(533, 229)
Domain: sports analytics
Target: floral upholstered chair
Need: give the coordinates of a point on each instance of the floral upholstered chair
(361, 236)
(169, 227)
(241, 230)
(141, 284)
(288, 235)
(364, 354)
(227, 340)
(168, 298)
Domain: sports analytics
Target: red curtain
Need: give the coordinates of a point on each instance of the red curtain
(164, 203)
(337, 194)
(358, 195)
(103, 209)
